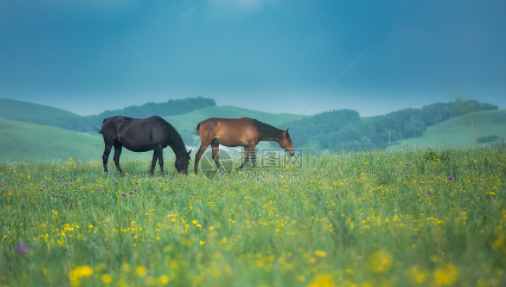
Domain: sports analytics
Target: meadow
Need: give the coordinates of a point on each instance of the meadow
(413, 217)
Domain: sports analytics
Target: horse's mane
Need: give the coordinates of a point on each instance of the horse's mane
(268, 130)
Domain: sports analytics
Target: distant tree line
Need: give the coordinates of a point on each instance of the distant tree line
(169, 108)
(340, 129)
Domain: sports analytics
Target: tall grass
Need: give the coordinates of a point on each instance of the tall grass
(406, 218)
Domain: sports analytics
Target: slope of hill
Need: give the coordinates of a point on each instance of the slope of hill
(21, 141)
(462, 131)
(23, 111)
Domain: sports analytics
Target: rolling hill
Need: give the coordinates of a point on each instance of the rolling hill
(24, 111)
(461, 131)
(20, 141)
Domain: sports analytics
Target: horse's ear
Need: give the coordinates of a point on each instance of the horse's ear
(287, 129)
(189, 152)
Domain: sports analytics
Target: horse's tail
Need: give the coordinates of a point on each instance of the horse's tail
(99, 131)
(196, 132)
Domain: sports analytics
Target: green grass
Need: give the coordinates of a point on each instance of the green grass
(22, 111)
(351, 219)
(21, 141)
(457, 131)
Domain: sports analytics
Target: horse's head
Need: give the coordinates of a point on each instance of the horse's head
(182, 162)
(286, 143)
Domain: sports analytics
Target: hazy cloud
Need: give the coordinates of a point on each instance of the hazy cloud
(243, 5)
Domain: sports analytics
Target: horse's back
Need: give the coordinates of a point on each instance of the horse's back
(214, 121)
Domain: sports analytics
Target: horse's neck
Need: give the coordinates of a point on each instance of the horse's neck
(266, 138)
(178, 147)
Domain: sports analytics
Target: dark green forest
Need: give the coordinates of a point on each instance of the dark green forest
(87, 123)
(344, 129)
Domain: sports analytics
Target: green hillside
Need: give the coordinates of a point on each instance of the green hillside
(23, 111)
(21, 141)
(457, 131)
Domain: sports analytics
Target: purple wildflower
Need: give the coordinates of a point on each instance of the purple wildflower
(135, 190)
(63, 185)
(407, 163)
(39, 193)
(170, 177)
(347, 180)
(42, 185)
(311, 192)
(103, 192)
(148, 247)
(21, 248)
(166, 181)
(122, 194)
(450, 178)
(40, 190)
(51, 187)
(131, 192)
(428, 192)
(53, 194)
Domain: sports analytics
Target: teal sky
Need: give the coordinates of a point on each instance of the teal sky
(275, 56)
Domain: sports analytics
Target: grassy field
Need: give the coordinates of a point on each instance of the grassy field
(17, 110)
(406, 218)
(461, 131)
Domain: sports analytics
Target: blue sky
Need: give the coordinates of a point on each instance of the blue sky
(275, 56)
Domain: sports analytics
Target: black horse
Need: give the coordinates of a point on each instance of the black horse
(140, 135)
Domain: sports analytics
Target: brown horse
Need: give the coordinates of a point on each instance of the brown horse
(140, 135)
(244, 132)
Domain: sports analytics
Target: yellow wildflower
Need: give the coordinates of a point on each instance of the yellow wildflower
(381, 262)
(106, 278)
(446, 276)
(322, 280)
(141, 271)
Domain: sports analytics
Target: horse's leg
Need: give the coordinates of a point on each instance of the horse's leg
(253, 155)
(153, 162)
(246, 158)
(202, 149)
(105, 156)
(159, 151)
(216, 149)
(117, 153)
